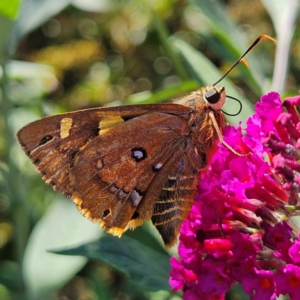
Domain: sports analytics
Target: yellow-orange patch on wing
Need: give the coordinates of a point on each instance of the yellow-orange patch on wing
(132, 224)
(77, 200)
(108, 123)
(113, 230)
(65, 126)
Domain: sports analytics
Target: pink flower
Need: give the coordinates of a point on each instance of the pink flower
(240, 227)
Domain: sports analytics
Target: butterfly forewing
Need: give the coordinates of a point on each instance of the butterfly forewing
(53, 142)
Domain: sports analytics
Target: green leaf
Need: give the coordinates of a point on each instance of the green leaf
(62, 226)
(143, 265)
(206, 73)
(9, 8)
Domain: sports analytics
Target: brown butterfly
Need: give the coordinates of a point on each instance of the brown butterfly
(123, 165)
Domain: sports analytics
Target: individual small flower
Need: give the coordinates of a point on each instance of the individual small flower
(262, 282)
(180, 275)
(287, 281)
(240, 228)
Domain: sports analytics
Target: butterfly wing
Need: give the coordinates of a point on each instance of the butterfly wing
(119, 165)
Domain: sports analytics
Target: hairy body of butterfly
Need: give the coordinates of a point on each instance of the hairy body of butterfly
(123, 165)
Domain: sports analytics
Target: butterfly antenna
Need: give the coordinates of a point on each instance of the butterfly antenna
(239, 102)
(263, 36)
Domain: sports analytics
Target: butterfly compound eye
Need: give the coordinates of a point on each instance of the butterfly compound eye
(215, 97)
(212, 96)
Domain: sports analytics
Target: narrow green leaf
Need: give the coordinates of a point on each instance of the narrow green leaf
(218, 20)
(164, 39)
(142, 264)
(6, 25)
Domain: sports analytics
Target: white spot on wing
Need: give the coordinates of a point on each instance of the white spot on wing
(113, 188)
(99, 164)
(138, 154)
(135, 198)
(122, 195)
(158, 166)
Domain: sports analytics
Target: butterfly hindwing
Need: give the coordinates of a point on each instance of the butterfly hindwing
(113, 172)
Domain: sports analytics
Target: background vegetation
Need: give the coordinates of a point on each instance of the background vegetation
(61, 55)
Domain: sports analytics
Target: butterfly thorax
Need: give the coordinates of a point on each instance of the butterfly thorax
(202, 133)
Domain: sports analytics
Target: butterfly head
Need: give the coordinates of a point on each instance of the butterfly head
(215, 97)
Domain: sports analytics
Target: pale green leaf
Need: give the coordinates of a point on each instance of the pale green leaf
(62, 226)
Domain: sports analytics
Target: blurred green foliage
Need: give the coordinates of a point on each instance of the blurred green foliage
(61, 55)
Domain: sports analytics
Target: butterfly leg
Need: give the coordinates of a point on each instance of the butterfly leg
(220, 136)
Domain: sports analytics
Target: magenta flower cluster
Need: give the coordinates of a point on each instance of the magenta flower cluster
(240, 228)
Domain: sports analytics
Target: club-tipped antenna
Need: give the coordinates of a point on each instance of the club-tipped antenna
(263, 36)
